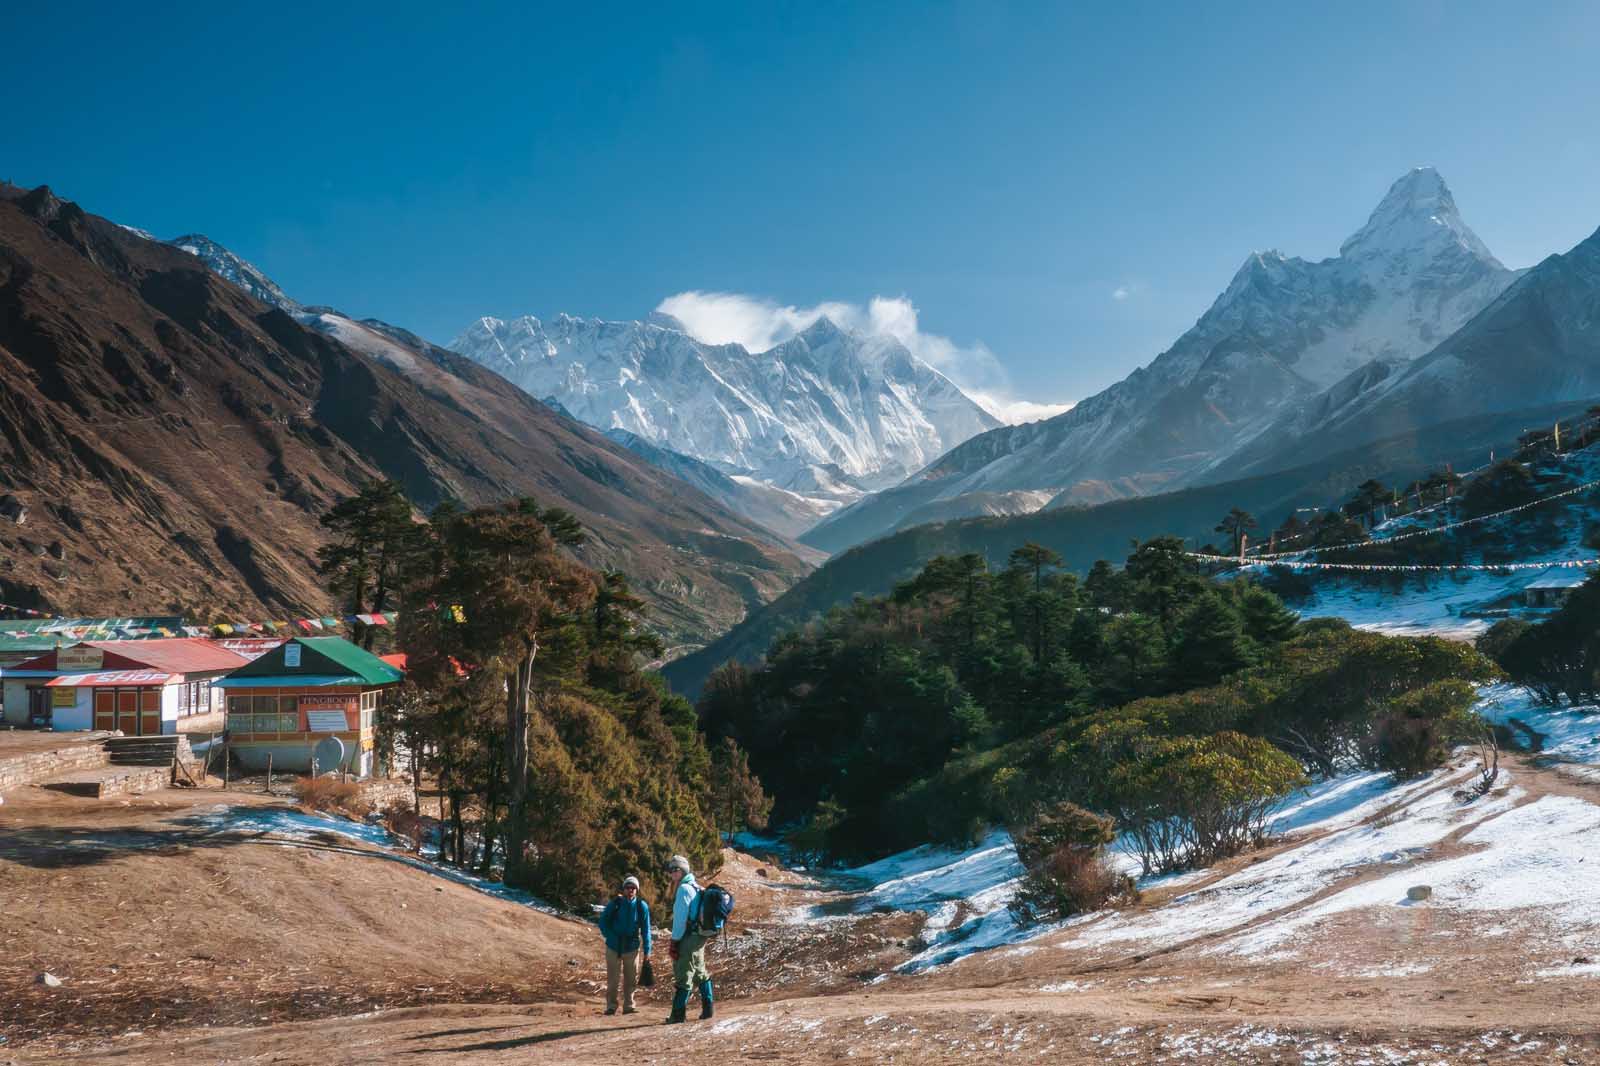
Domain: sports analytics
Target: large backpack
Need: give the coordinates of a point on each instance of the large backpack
(714, 905)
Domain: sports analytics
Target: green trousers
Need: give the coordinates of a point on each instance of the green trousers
(689, 968)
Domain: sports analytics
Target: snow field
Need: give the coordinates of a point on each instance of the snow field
(1520, 855)
(1295, 875)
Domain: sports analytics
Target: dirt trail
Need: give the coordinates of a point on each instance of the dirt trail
(407, 967)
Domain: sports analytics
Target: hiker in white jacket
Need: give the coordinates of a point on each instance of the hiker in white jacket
(688, 948)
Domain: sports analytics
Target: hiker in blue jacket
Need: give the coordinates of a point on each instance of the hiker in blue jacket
(625, 924)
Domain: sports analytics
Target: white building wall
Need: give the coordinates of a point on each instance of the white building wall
(169, 708)
(62, 719)
(16, 701)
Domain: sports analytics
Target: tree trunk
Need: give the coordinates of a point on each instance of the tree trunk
(519, 694)
(491, 812)
(416, 775)
(458, 835)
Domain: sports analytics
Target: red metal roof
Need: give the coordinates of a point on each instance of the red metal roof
(136, 678)
(172, 655)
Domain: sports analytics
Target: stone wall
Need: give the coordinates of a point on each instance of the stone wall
(136, 779)
(19, 770)
(381, 793)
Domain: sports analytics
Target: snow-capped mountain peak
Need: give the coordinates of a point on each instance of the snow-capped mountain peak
(235, 269)
(1417, 215)
(827, 396)
(1283, 331)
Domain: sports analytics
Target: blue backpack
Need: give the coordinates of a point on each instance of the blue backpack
(714, 905)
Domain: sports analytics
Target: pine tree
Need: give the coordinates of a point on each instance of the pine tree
(1034, 560)
(1236, 524)
(500, 566)
(736, 794)
(1369, 496)
(1209, 642)
(374, 540)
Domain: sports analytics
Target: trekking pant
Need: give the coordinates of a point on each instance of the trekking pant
(627, 965)
(689, 968)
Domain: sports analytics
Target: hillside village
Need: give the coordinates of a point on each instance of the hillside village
(923, 534)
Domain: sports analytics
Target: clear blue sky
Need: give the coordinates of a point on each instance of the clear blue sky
(1006, 168)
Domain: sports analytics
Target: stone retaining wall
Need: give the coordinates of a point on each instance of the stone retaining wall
(19, 770)
(140, 779)
(380, 794)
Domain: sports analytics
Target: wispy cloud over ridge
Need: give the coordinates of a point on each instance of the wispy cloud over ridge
(760, 324)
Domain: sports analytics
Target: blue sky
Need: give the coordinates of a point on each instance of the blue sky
(1065, 187)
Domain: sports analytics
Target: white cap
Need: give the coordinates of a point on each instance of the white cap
(626, 881)
(678, 862)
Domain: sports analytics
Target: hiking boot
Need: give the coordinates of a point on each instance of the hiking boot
(610, 1011)
(705, 999)
(680, 1005)
(630, 1010)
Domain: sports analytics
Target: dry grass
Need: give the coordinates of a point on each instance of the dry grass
(403, 821)
(331, 794)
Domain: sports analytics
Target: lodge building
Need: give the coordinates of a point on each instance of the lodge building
(141, 687)
(283, 703)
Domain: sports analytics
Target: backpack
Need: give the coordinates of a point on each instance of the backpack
(714, 905)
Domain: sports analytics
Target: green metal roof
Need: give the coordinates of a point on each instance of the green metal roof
(288, 681)
(321, 657)
(31, 644)
(53, 625)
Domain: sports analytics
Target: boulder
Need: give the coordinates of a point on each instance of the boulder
(1419, 892)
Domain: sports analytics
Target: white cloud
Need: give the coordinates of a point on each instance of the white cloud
(756, 323)
(1121, 292)
(760, 324)
(1016, 412)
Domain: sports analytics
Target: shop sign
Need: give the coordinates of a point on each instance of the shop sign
(82, 658)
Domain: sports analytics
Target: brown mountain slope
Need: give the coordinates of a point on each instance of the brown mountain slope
(174, 441)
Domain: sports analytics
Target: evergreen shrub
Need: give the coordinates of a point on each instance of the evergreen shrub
(1062, 851)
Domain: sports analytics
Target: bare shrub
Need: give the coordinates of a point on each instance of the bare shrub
(404, 822)
(331, 794)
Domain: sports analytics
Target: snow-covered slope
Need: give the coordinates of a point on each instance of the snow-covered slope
(1463, 603)
(1352, 843)
(1283, 331)
(825, 397)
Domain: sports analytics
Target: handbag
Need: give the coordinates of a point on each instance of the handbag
(647, 975)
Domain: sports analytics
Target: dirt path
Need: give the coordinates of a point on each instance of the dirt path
(323, 952)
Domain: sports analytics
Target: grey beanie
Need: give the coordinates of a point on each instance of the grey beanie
(630, 880)
(678, 862)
